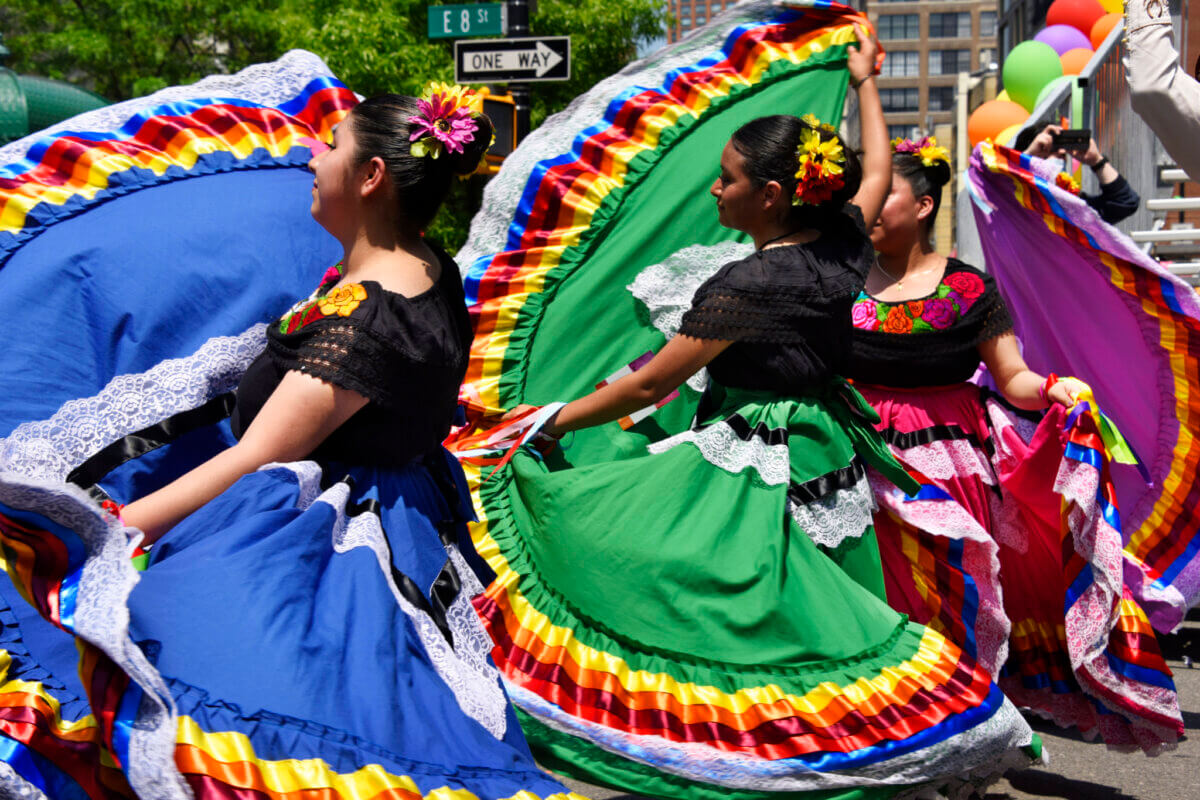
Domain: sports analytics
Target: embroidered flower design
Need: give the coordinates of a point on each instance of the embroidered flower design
(446, 120)
(939, 312)
(915, 307)
(343, 300)
(967, 284)
(332, 275)
(897, 320)
(821, 167)
(865, 315)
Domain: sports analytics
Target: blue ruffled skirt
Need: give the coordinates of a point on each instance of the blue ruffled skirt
(309, 630)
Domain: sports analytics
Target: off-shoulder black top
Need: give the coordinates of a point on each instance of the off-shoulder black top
(406, 355)
(787, 310)
(932, 340)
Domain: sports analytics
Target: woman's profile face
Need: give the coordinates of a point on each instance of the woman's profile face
(738, 203)
(334, 184)
(899, 223)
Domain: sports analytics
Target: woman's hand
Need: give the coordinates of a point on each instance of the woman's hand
(1066, 392)
(862, 57)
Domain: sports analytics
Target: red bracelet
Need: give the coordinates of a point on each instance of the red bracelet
(1044, 389)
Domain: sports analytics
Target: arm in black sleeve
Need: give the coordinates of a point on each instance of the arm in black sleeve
(1116, 200)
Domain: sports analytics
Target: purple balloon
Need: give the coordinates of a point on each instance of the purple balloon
(1063, 38)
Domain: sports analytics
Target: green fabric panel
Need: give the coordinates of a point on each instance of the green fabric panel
(577, 759)
(858, 556)
(713, 569)
(590, 324)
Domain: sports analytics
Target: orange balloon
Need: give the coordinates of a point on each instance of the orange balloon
(1079, 14)
(1102, 28)
(993, 117)
(1074, 61)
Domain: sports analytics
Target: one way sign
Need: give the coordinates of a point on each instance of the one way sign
(523, 60)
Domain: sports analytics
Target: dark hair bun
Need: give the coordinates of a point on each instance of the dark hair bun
(467, 161)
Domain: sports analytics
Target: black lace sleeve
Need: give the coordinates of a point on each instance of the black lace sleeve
(350, 356)
(996, 319)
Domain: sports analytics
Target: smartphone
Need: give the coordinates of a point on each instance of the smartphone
(1074, 140)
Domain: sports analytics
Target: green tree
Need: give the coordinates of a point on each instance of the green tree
(127, 48)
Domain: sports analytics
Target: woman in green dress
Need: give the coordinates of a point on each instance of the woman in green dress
(700, 621)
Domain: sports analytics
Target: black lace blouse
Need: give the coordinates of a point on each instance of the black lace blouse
(932, 340)
(787, 309)
(406, 355)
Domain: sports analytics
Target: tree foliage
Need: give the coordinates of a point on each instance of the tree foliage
(128, 48)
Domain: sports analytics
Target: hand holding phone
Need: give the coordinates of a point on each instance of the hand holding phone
(1073, 140)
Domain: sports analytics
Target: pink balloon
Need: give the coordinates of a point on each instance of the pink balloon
(1063, 38)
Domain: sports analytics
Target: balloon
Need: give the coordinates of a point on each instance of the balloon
(1050, 88)
(1074, 61)
(993, 117)
(1113, 6)
(1063, 38)
(1103, 27)
(1029, 67)
(1004, 96)
(1079, 14)
(1006, 136)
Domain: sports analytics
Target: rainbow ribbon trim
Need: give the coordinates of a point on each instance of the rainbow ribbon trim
(1164, 547)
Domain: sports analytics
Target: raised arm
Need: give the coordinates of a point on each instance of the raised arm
(1020, 385)
(298, 416)
(679, 359)
(877, 152)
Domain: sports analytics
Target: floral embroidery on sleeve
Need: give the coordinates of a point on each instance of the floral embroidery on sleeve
(339, 302)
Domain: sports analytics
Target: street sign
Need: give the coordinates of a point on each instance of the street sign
(523, 60)
(478, 19)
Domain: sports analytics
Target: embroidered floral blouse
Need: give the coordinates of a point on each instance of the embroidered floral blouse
(929, 341)
(406, 355)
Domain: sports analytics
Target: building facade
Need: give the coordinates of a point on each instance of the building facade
(928, 43)
(691, 14)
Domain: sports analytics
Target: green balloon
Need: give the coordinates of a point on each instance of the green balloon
(1027, 70)
(1051, 87)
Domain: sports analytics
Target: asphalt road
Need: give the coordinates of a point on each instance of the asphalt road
(1081, 770)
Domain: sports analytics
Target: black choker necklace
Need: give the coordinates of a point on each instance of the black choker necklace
(759, 252)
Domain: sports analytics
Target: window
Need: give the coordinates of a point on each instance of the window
(987, 57)
(987, 23)
(955, 25)
(948, 62)
(901, 64)
(899, 26)
(902, 131)
(900, 99)
(941, 98)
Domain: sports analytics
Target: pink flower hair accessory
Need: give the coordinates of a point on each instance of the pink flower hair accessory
(925, 148)
(447, 120)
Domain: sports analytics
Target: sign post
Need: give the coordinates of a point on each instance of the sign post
(479, 19)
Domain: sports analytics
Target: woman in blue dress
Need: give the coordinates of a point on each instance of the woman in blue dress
(303, 627)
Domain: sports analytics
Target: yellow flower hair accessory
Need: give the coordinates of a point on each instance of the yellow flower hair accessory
(822, 164)
(1067, 182)
(813, 122)
(926, 149)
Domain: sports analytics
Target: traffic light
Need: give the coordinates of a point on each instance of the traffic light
(502, 111)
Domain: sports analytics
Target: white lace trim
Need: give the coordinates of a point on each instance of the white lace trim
(473, 680)
(720, 446)
(102, 619)
(976, 756)
(14, 787)
(947, 459)
(490, 226)
(49, 449)
(667, 289)
(270, 84)
(840, 515)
